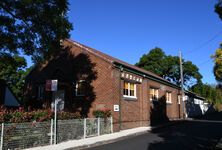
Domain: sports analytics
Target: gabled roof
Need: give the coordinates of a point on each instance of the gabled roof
(194, 95)
(123, 64)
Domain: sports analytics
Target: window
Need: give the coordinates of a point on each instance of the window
(81, 88)
(168, 97)
(129, 90)
(40, 92)
(153, 94)
(178, 99)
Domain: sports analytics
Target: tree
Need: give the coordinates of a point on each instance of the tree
(218, 64)
(168, 67)
(13, 72)
(29, 27)
(33, 27)
(218, 54)
(212, 93)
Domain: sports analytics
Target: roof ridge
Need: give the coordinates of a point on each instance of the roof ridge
(88, 49)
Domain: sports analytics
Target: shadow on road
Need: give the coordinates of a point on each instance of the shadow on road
(201, 133)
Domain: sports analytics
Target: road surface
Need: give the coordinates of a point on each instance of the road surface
(203, 133)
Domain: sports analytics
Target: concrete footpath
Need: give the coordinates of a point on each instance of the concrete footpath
(94, 141)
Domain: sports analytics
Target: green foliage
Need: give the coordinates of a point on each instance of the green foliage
(102, 113)
(13, 72)
(168, 67)
(218, 54)
(19, 115)
(29, 27)
(210, 92)
(218, 64)
(34, 27)
(218, 8)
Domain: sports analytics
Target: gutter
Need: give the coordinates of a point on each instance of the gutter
(145, 75)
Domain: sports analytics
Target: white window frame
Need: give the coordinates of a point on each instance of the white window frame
(128, 96)
(155, 92)
(169, 97)
(77, 85)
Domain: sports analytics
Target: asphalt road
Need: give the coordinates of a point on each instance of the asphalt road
(203, 133)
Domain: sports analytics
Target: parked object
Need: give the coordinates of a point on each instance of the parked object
(7, 98)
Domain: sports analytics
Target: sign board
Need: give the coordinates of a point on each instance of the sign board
(60, 105)
(51, 85)
(116, 107)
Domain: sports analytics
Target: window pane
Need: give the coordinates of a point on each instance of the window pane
(156, 94)
(129, 89)
(81, 88)
(125, 89)
(151, 91)
(132, 93)
(131, 86)
(125, 85)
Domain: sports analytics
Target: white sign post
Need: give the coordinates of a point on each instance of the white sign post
(51, 85)
(57, 100)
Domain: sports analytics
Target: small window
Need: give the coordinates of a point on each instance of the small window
(178, 99)
(81, 88)
(129, 90)
(168, 97)
(153, 94)
(40, 92)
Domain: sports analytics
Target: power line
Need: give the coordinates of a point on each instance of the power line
(204, 62)
(205, 43)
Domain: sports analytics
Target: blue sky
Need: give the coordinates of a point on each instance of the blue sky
(126, 29)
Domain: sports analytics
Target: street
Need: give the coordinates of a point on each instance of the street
(202, 133)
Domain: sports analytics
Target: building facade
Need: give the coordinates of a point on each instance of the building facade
(7, 98)
(90, 80)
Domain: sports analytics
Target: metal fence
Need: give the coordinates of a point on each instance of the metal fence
(26, 135)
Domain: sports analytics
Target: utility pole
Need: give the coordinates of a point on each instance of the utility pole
(182, 90)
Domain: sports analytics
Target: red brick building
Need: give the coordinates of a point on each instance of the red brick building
(89, 80)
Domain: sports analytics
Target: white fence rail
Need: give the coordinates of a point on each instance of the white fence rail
(26, 135)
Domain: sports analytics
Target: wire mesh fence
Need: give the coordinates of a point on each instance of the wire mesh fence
(69, 130)
(33, 134)
(91, 127)
(26, 135)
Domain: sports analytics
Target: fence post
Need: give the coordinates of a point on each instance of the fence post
(51, 132)
(84, 129)
(2, 135)
(111, 124)
(98, 126)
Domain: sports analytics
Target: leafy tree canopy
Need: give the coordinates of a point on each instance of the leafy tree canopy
(218, 64)
(33, 27)
(213, 94)
(13, 72)
(168, 67)
(218, 54)
(29, 27)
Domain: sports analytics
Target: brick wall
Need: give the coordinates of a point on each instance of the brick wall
(106, 88)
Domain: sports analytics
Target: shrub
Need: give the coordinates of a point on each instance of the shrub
(19, 115)
(102, 113)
